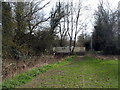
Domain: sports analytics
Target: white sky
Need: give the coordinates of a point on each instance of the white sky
(92, 6)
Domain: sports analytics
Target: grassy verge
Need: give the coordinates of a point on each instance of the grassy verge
(88, 73)
(29, 75)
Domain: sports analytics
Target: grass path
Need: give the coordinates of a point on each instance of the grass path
(28, 76)
(83, 72)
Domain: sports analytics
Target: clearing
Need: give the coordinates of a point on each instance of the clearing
(82, 72)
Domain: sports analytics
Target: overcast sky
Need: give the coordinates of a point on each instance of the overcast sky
(92, 6)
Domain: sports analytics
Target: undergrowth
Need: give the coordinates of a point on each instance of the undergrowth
(29, 75)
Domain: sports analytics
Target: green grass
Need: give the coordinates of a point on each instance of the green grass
(90, 73)
(29, 75)
(70, 73)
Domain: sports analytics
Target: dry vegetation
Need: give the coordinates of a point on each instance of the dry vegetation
(12, 67)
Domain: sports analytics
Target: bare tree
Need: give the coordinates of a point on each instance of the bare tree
(62, 25)
(70, 33)
(76, 25)
(32, 17)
